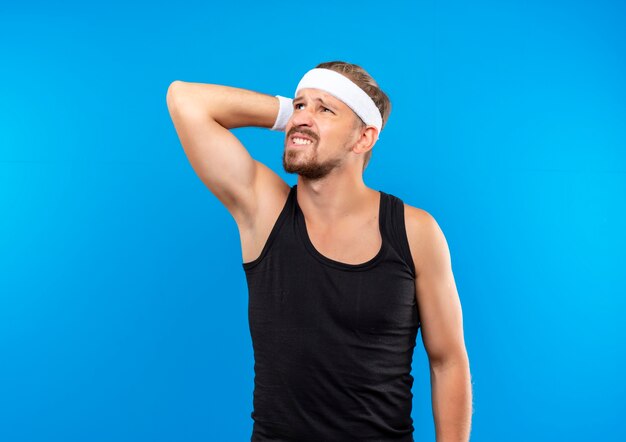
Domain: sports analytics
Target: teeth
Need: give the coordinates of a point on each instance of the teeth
(301, 141)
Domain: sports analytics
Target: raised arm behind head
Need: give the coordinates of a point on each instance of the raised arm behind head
(203, 115)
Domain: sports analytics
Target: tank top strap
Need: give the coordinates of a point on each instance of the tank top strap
(287, 213)
(394, 229)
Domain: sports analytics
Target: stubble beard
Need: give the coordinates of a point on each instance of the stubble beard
(306, 165)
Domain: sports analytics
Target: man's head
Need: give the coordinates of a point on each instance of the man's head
(339, 137)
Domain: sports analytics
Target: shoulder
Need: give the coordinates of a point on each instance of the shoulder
(429, 248)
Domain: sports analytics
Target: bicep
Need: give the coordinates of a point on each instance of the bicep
(219, 159)
(436, 293)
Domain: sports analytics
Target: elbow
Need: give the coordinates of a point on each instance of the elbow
(450, 360)
(183, 98)
(172, 92)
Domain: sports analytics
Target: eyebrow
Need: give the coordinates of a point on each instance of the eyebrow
(301, 98)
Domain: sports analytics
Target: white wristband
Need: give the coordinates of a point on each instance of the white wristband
(284, 113)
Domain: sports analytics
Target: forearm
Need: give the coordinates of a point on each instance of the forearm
(452, 400)
(230, 106)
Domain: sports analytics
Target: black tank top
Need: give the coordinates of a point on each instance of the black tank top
(333, 342)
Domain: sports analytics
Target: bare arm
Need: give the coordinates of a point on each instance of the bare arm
(442, 328)
(202, 115)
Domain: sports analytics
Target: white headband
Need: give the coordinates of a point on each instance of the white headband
(344, 89)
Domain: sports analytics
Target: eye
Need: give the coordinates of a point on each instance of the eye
(295, 106)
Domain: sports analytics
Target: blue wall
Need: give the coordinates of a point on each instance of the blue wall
(123, 304)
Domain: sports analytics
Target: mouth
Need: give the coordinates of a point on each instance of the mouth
(300, 140)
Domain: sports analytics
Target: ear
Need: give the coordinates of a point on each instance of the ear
(366, 139)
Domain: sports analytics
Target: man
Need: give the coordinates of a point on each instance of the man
(340, 276)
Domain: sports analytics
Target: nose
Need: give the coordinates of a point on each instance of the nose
(301, 117)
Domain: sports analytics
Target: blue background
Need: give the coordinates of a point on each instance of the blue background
(123, 304)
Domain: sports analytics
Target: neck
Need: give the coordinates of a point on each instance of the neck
(334, 199)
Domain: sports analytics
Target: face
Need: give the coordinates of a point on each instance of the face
(319, 135)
